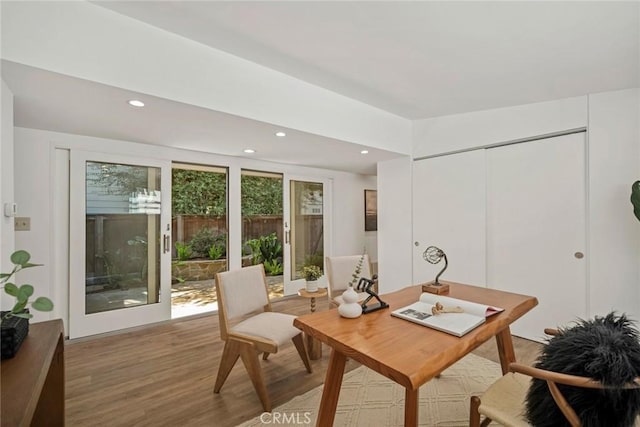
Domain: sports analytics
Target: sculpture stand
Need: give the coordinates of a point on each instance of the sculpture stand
(366, 285)
(433, 288)
(371, 308)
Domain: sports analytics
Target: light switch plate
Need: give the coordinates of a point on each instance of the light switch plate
(22, 223)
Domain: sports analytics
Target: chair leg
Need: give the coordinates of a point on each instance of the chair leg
(474, 415)
(298, 340)
(249, 357)
(230, 355)
(265, 355)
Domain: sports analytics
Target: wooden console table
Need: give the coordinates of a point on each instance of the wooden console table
(32, 383)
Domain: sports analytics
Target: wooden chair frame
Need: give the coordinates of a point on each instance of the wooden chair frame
(552, 379)
(247, 347)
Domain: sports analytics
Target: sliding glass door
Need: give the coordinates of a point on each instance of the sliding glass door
(262, 231)
(306, 227)
(120, 242)
(199, 242)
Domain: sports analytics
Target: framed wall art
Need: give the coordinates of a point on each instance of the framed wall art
(370, 210)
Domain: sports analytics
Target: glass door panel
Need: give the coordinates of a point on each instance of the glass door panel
(199, 229)
(123, 242)
(262, 226)
(306, 234)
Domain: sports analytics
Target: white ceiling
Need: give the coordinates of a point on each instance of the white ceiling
(52, 101)
(413, 59)
(421, 59)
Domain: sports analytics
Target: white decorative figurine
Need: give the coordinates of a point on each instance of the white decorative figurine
(350, 307)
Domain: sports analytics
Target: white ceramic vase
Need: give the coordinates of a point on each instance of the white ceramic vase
(350, 307)
(311, 286)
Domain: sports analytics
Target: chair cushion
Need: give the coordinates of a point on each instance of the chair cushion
(361, 297)
(276, 327)
(503, 401)
(605, 349)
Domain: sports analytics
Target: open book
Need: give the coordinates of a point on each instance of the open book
(468, 315)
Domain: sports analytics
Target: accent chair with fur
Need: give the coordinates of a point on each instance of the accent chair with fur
(606, 349)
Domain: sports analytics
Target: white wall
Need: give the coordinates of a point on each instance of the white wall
(348, 216)
(90, 42)
(34, 172)
(6, 182)
(394, 224)
(457, 132)
(614, 232)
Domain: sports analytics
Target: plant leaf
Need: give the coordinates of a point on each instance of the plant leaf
(24, 315)
(22, 299)
(25, 291)
(28, 264)
(20, 257)
(19, 307)
(11, 289)
(42, 304)
(635, 198)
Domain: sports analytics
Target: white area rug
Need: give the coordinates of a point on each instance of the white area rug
(369, 399)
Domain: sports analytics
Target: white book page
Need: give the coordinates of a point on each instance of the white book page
(454, 323)
(467, 306)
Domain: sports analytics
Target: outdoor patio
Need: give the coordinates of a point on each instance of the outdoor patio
(194, 297)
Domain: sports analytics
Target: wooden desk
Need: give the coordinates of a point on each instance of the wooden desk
(404, 352)
(32, 383)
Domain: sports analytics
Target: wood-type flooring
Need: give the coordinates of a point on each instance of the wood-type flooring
(163, 374)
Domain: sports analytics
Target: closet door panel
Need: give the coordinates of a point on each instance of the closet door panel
(536, 228)
(449, 212)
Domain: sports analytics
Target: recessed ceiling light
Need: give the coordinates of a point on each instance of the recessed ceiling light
(249, 151)
(136, 103)
(281, 134)
(364, 152)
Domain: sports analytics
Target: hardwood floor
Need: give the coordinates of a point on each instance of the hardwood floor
(163, 375)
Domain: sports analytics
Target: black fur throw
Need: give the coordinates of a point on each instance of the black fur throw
(605, 349)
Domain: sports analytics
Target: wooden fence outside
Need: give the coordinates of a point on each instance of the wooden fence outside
(184, 227)
(110, 233)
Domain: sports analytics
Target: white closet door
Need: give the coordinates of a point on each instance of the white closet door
(449, 212)
(536, 228)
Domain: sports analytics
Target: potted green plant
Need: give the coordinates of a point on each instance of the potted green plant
(14, 324)
(311, 274)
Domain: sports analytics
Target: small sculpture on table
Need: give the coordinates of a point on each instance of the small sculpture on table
(439, 309)
(366, 285)
(433, 255)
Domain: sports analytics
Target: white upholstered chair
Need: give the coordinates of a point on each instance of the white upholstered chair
(339, 273)
(241, 293)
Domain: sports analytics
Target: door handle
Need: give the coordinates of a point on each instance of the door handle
(287, 236)
(165, 244)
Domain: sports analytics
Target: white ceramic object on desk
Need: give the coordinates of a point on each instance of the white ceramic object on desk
(311, 286)
(350, 307)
